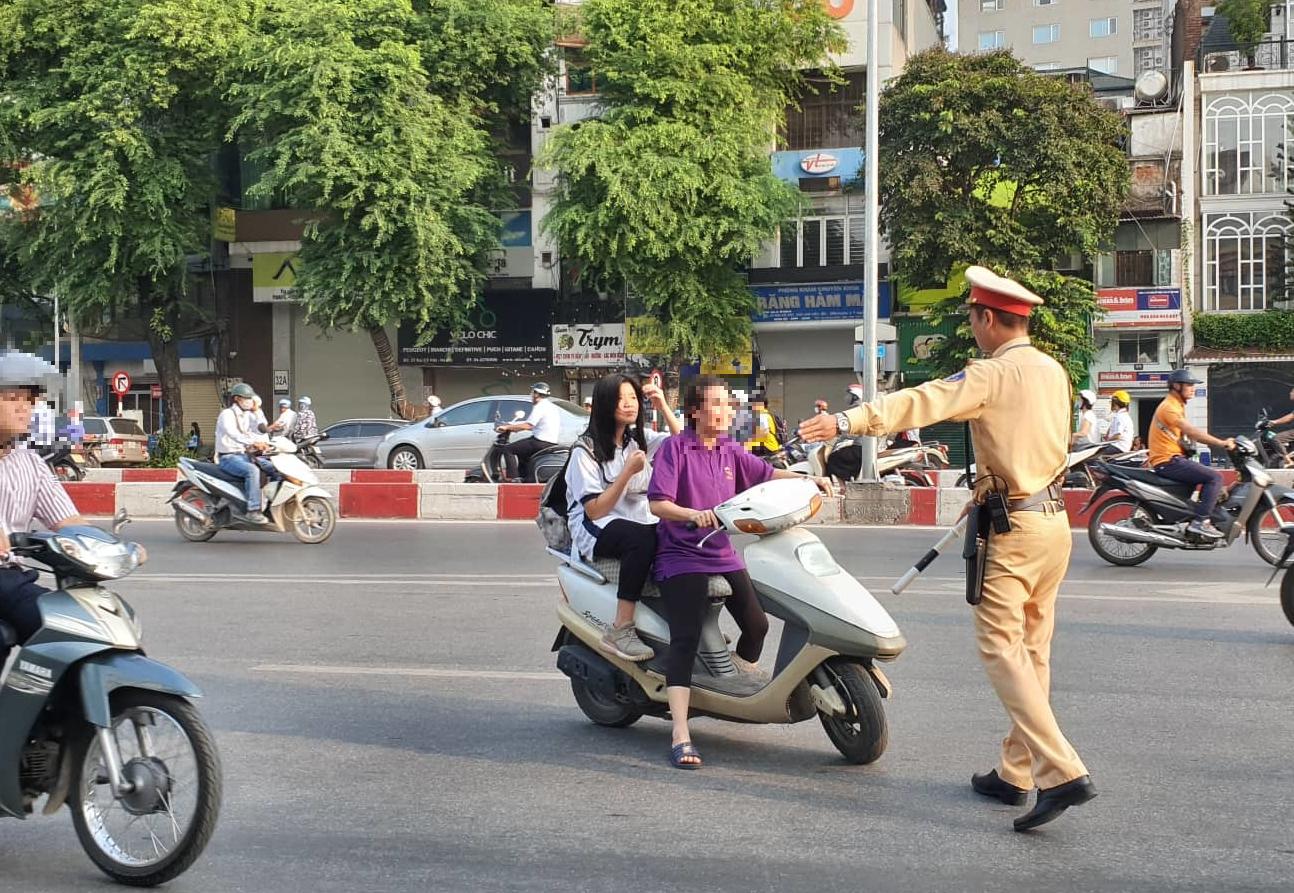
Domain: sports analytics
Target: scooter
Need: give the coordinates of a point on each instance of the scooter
(536, 470)
(912, 464)
(308, 450)
(1082, 459)
(91, 722)
(64, 461)
(208, 499)
(834, 634)
(1270, 453)
(1153, 512)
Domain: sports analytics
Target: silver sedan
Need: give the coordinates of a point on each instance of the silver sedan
(353, 443)
(461, 434)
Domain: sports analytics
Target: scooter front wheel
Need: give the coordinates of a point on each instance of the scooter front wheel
(313, 520)
(157, 830)
(862, 733)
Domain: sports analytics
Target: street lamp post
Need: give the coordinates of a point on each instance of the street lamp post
(871, 224)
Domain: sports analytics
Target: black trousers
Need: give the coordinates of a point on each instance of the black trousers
(18, 602)
(635, 545)
(686, 606)
(516, 455)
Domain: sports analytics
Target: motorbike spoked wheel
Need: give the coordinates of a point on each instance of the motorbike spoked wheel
(1287, 596)
(1127, 511)
(1269, 531)
(154, 833)
(862, 734)
(312, 460)
(69, 471)
(191, 528)
(602, 710)
(312, 520)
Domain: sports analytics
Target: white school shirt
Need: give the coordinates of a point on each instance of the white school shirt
(586, 478)
(1120, 433)
(547, 419)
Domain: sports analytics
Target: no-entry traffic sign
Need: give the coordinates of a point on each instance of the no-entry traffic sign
(120, 384)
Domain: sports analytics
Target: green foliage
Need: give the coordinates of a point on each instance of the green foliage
(1248, 20)
(1269, 330)
(1060, 328)
(983, 160)
(376, 116)
(670, 191)
(171, 447)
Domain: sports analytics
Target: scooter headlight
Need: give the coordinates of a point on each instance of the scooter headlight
(102, 560)
(815, 559)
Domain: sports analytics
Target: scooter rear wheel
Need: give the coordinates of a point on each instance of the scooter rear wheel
(603, 711)
(1123, 509)
(191, 528)
(862, 734)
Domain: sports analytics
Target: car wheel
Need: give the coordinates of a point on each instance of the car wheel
(405, 458)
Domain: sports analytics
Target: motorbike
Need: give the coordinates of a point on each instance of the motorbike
(91, 722)
(834, 634)
(66, 463)
(913, 463)
(536, 470)
(1078, 473)
(308, 450)
(1270, 453)
(208, 499)
(1153, 512)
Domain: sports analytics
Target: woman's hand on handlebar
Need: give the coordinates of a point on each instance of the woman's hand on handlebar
(703, 519)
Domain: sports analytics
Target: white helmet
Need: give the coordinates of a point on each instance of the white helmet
(23, 370)
(304, 401)
(285, 402)
(1088, 396)
(433, 400)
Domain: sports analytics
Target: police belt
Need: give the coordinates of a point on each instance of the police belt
(980, 527)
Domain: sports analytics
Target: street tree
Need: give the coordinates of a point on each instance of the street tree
(985, 161)
(375, 118)
(1249, 21)
(111, 112)
(669, 192)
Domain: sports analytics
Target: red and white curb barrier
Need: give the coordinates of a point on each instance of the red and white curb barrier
(441, 495)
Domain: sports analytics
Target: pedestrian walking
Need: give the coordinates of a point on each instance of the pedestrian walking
(1018, 404)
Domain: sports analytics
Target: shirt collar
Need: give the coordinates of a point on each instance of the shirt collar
(1014, 342)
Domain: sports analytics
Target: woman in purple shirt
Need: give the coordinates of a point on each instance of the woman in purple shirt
(693, 472)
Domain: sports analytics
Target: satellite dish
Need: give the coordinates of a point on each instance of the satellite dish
(1151, 85)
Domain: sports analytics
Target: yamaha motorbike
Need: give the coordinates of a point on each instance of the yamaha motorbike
(91, 722)
(1152, 512)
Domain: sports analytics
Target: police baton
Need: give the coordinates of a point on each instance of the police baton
(952, 536)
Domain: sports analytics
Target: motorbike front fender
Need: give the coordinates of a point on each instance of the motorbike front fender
(313, 490)
(105, 673)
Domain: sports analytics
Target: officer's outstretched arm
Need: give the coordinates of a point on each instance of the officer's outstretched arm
(961, 397)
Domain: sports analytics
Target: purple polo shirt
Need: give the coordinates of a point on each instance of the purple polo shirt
(693, 477)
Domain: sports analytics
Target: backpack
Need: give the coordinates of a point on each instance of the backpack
(554, 503)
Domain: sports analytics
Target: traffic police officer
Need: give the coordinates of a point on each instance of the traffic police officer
(1017, 402)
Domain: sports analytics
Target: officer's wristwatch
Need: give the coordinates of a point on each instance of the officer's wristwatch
(842, 423)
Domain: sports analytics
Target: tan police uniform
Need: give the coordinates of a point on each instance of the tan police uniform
(1017, 403)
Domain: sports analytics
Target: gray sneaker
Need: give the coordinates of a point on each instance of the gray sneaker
(746, 668)
(257, 518)
(623, 642)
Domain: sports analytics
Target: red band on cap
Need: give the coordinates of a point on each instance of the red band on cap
(998, 301)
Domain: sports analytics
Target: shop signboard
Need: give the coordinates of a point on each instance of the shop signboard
(274, 273)
(506, 327)
(1120, 379)
(589, 345)
(815, 302)
(1139, 308)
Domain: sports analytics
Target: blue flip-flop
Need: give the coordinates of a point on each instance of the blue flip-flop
(681, 750)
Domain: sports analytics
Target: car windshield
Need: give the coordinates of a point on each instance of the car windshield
(127, 427)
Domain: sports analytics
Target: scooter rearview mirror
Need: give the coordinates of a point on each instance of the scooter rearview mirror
(120, 520)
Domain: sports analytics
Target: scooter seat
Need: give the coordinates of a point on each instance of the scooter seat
(610, 568)
(215, 471)
(1149, 476)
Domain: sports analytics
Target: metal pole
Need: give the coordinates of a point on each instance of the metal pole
(74, 365)
(871, 284)
(54, 398)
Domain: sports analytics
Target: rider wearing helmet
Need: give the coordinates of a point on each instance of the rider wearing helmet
(1170, 435)
(433, 407)
(306, 425)
(1120, 433)
(545, 423)
(28, 489)
(286, 421)
(237, 430)
(1088, 426)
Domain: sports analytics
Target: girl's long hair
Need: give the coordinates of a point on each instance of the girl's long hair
(602, 418)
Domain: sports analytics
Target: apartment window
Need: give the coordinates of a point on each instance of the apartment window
(1138, 348)
(1243, 139)
(1103, 27)
(992, 40)
(991, 5)
(579, 77)
(1104, 64)
(1132, 268)
(820, 242)
(1148, 59)
(1046, 33)
(828, 119)
(1147, 24)
(1244, 260)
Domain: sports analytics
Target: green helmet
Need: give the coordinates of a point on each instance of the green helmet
(242, 389)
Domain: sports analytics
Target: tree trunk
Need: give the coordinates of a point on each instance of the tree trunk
(162, 312)
(400, 405)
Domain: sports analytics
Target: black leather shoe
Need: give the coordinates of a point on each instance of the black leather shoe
(1053, 801)
(989, 785)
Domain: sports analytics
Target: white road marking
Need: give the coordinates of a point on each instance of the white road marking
(420, 672)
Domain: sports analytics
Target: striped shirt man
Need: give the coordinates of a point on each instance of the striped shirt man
(30, 492)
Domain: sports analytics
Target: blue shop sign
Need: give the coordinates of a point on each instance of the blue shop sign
(796, 165)
(823, 301)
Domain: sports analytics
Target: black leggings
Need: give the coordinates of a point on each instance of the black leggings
(635, 545)
(686, 606)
